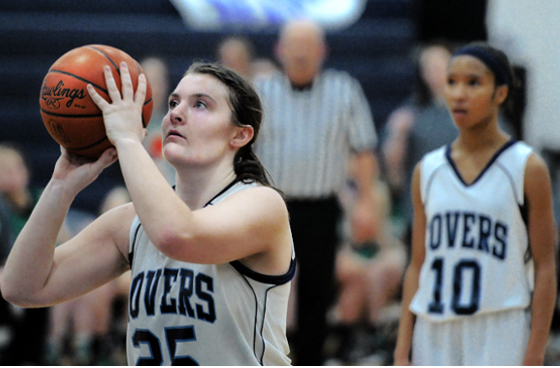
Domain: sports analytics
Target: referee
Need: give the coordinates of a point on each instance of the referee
(315, 122)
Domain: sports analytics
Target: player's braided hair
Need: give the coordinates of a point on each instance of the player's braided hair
(246, 110)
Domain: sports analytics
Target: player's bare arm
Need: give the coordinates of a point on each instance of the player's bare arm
(542, 239)
(31, 264)
(412, 275)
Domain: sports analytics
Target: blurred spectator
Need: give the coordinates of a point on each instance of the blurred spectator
(315, 121)
(157, 71)
(88, 322)
(6, 242)
(28, 327)
(6, 235)
(237, 53)
(369, 275)
(422, 124)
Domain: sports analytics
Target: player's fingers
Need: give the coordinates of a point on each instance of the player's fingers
(108, 157)
(112, 89)
(96, 98)
(126, 82)
(140, 95)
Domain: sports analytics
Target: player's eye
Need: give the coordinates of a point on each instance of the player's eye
(474, 82)
(199, 104)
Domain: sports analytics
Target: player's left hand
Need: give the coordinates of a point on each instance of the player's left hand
(77, 172)
(123, 115)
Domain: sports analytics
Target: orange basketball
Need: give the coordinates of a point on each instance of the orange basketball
(69, 114)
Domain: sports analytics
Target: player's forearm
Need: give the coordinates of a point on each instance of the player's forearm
(406, 324)
(155, 202)
(31, 258)
(542, 309)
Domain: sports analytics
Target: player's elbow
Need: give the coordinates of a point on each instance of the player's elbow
(14, 294)
(545, 270)
(172, 243)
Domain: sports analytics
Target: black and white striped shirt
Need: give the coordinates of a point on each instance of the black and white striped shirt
(308, 135)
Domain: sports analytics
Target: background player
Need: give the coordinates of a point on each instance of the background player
(482, 219)
(211, 259)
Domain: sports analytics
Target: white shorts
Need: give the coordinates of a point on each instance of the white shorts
(489, 339)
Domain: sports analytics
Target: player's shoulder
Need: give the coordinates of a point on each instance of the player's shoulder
(258, 193)
(515, 151)
(536, 167)
(434, 158)
(261, 199)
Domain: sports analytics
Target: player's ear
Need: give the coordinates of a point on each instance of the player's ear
(501, 94)
(243, 136)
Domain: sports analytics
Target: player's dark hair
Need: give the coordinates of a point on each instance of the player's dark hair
(497, 62)
(246, 110)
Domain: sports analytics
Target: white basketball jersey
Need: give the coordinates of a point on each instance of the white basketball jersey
(204, 314)
(477, 249)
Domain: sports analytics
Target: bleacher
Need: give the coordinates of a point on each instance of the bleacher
(34, 34)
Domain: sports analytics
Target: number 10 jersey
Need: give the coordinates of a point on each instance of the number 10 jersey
(477, 249)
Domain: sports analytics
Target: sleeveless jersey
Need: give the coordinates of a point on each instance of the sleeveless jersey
(477, 248)
(204, 314)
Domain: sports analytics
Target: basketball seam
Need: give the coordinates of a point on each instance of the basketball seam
(70, 115)
(107, 57)
(91, 145)
(79, 78)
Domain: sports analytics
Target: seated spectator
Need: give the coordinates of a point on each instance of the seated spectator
(369, 272)
(25, 329)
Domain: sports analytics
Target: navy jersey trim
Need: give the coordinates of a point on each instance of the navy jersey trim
(131, 252)
(508, 144)
(511, 181)
(227, 187)
(263, 323)
(258, 330)
(430, 181)
(524, 210)
(267, 279)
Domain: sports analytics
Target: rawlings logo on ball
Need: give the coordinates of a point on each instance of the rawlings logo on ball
(53, 95)
(69, 114)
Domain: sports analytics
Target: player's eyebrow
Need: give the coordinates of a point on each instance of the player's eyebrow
(196, 95)
(199, 95)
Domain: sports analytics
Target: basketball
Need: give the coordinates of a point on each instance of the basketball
(71, 117)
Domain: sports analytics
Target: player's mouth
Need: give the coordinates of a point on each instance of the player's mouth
(175, 133)
(459, 113)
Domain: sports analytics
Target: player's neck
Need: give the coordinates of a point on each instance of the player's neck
(482, 136)
(197, 189)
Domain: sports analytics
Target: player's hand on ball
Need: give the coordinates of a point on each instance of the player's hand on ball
(77, 172)
(123, 115)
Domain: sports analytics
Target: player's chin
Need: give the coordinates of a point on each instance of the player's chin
(173, 152)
